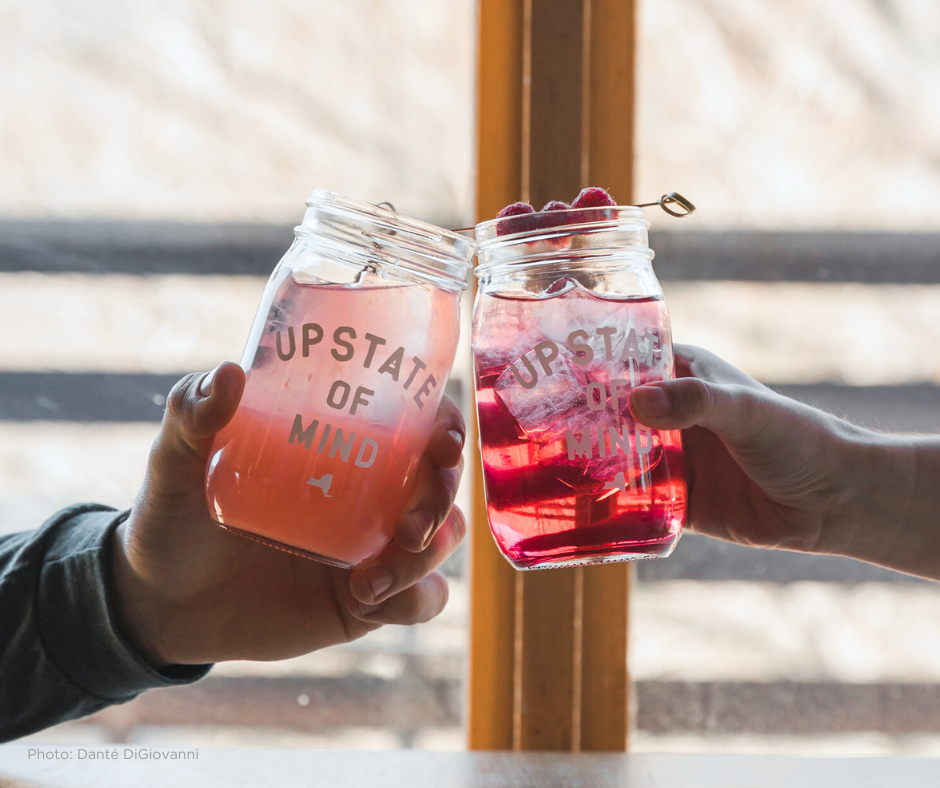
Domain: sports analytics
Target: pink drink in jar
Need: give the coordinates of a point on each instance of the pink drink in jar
(346, 366)
(568, 319)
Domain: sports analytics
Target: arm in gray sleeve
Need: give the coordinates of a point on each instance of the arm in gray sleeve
(61, 654)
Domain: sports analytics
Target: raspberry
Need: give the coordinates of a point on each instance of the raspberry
(517, 219)
(521, 217)
(516, 209)
(593, 197)
(590, 198)
(551, 215)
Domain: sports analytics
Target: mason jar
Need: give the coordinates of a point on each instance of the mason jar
(569, 317)
(346, 364)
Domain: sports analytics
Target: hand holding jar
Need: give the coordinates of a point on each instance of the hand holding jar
(188, 592)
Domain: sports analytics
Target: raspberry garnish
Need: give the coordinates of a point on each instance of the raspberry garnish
(551, 215)
(521, 217)
(518, 219)
(516, 209)
(593, 197)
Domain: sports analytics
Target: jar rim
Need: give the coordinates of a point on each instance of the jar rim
(441, 256)
(581, 235)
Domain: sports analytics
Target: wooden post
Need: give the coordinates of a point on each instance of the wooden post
(555, 113)
(610, 83)
(492, 579)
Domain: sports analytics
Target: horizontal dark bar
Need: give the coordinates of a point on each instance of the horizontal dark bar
(110, 247)
(313, 704)
(913, 407)
(704, 559)
(96, 396)
(59, 246)
(902, 258)
(107, 396)
(787, 708)
(414, 701)
(83, 396)
(114, 396)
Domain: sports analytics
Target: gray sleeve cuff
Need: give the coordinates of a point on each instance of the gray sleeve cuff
(76, 621)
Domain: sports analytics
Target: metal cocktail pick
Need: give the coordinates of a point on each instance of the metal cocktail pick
(673, 198)
(666, 202)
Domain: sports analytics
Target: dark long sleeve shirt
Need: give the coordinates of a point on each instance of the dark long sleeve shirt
(61, 654)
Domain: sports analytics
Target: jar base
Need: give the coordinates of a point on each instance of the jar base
(286, 548)
(661, 549)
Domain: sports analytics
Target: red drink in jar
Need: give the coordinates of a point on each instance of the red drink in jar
(568, 319)
(346, 365)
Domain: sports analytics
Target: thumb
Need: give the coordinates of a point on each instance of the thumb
(737, 414)
(198, 407)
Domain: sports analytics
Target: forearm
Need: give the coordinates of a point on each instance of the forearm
(890, 516)
(61, 656)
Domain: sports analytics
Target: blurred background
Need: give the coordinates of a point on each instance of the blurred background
(154, 156)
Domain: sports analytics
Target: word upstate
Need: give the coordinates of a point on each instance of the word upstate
(394, 364)
(635, 350)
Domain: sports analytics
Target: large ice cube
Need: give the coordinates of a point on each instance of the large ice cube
(509, 332)
(598, 472)
(578, 309)
(634, 355)
(552, 396)
(606, 334)
(634, 465)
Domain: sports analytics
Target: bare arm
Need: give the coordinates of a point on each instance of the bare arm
(767, 471)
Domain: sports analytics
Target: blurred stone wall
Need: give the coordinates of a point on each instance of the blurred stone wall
(768, 113)
(232, 109)
(793, 113)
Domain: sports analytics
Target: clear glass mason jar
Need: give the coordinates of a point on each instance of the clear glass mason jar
(346, 364)
(568, 318)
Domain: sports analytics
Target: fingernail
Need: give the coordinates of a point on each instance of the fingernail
(457, 435)
(364, 610)
(650, 402)
(422, 521)
(205, 385)
(380, 580)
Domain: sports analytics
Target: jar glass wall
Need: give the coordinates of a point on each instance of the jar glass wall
(346, 365)
(568, 319)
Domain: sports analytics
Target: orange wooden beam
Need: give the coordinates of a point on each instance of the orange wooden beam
(609, 117)
(499, 182)
(548, 631)
(555, 113)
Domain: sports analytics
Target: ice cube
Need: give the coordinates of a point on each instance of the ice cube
(589, 427)
(551, 396)
(604, 470)
(576, 420)
(645, 360)
(606, 344)
(577, 309)
(509, 332)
